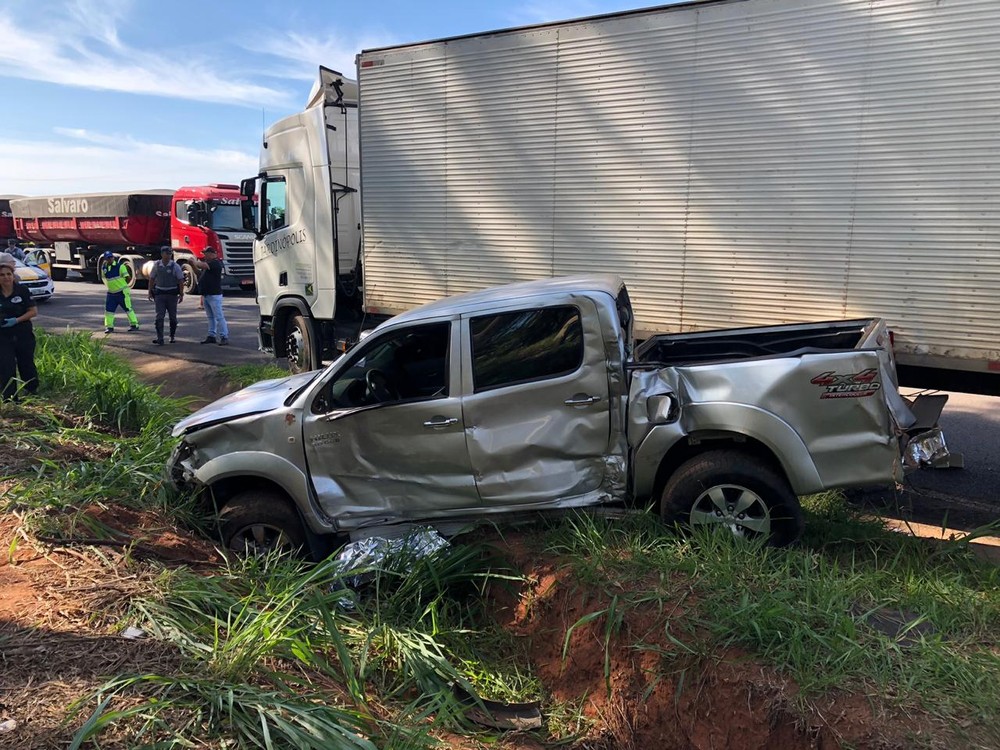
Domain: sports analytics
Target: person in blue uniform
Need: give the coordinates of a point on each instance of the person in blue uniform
(17, 338)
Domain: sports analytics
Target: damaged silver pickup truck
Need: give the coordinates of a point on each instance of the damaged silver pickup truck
(532, 397)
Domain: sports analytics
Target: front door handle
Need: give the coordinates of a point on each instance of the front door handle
(582, 399)
(441, 422)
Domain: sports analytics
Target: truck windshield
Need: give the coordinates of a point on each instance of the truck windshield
(227, 217)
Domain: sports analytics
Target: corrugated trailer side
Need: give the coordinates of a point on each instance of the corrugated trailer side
(739, 162)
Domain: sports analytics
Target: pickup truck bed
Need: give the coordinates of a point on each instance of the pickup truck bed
(746, 343)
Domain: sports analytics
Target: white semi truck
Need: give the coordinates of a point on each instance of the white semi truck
(737, 162)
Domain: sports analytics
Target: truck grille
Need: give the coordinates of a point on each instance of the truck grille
(237, 256)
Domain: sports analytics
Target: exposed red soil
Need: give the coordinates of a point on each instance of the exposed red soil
(656, 697)
(61, 607)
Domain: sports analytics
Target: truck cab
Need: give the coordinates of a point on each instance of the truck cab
(308, 280)
(211, 216)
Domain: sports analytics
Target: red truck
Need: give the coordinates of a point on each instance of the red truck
(6, 219)
(135, 225)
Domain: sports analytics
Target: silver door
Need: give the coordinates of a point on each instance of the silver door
(536, 409)
(385, 439)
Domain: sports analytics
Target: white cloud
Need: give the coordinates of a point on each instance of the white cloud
(88, 162)
(303, 54)
(83, 49)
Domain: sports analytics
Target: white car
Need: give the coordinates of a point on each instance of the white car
(32, 276)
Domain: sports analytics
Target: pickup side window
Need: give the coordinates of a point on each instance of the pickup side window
(410, 364)
(525, 346)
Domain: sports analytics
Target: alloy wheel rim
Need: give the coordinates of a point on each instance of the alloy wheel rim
(259, 539)
(732, 506)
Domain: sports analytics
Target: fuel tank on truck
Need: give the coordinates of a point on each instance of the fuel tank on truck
(132, 218)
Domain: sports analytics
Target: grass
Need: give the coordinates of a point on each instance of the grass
(818, 612)
(95, 435)
(261, 636)
(276, 653)
(243, 375)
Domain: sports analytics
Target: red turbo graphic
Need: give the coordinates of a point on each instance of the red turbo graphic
(851, 385)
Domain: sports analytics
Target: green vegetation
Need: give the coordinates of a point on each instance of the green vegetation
(94, 435)
(854, 607)
(243, 375)
(277, 653)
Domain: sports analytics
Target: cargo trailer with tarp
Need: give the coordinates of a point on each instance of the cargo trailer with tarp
(80, 228)
(6, 218)
(135, 225)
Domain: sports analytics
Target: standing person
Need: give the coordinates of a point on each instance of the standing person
(166, 288)
(116, 275)
(17, 338)
(211, 294)
(14, 250)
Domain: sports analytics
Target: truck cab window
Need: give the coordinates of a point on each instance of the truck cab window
(410, 364)
(226, 217)
(524, 346)
(181, 211)
(275, 202)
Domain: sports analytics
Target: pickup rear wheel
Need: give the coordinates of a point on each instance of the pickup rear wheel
(257, 522)
(733, 490)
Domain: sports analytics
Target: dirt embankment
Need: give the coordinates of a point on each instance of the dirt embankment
(177, 378)
(62, 607)
(61, 611)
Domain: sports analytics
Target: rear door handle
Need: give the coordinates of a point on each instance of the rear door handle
(582, 399)
(441, 422)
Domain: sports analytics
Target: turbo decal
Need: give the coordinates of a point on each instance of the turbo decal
(851, 385)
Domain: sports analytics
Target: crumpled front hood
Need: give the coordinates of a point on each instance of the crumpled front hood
(255, 399)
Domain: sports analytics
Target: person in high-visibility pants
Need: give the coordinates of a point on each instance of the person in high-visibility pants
(116, 275)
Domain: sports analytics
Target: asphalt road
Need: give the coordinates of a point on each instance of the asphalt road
(960, 497)
(79, 305)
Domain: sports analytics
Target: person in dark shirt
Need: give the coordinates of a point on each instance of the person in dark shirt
(210, 284)
(17, 339)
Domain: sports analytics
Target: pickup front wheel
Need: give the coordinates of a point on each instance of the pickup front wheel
(257, 522)
(733, 490)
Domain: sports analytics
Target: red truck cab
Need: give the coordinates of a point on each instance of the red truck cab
(210, 216)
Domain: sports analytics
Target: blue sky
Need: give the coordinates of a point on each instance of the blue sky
(108, 95)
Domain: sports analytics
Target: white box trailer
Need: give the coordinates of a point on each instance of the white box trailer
(738, 162)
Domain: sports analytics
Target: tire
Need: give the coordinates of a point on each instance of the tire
(58, 274)
(300, 345)
(190, 276)
(710, 489)
(257, 522)
(130, 264)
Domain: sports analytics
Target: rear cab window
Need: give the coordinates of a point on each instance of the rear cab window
(525, 346)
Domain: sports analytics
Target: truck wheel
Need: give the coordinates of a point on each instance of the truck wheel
(257, 522)
(300, 345)
(732, 489)
(190, 276)
(58, 274)
(130, 265)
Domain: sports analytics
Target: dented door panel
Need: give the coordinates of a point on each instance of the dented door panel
(546, 439)
(824, 415)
